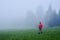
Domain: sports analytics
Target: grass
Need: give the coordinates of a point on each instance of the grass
(48, 34)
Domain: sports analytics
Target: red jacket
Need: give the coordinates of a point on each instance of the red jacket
(40, 25)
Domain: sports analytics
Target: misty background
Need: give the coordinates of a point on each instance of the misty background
(22, 14)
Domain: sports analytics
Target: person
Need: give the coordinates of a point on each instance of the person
(40, 27)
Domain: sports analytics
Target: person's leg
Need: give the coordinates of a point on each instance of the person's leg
(39, 31)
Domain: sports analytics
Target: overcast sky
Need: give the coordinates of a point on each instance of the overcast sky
(17, 9)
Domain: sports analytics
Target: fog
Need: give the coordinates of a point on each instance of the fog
(20, 14)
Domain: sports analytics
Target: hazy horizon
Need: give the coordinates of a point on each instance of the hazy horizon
(13, 13)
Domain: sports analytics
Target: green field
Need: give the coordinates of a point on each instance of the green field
(31, 34)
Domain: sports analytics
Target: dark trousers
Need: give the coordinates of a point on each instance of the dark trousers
(40, 31)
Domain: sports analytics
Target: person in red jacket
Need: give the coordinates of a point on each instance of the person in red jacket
(40, 27)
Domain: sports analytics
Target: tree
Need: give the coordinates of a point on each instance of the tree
(30, 18)
(53, 19)
(40, 15)
(48, 16)
(58, 18)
